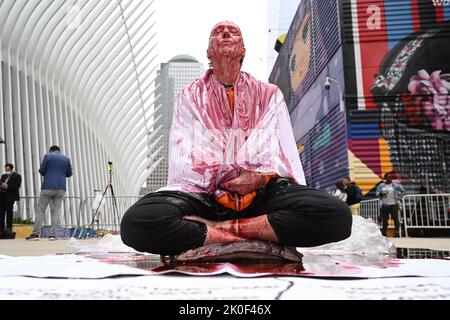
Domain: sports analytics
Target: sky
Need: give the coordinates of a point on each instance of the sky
(184, 26)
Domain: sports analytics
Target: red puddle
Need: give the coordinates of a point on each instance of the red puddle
(290, 269)
(314, 265)
(153, 263)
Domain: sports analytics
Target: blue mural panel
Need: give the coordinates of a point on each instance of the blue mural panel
(323, 151)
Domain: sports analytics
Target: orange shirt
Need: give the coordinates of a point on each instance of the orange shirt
(239, 202)
(234, 200)
(230, 93)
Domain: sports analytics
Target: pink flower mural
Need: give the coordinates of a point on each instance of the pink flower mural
(430, 99)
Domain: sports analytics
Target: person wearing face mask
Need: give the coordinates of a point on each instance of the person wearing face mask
(234, 169)
(10, 183)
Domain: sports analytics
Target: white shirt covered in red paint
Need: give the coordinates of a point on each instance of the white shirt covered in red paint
(209, 143)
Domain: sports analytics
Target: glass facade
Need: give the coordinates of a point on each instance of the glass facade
(280, 16)
(172, 78)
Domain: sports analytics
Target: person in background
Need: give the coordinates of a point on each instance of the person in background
(340, 192)
(10, 183)
(390, 194)
(55, 168)
(354, 195)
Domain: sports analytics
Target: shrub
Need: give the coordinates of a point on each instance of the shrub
(22, 221)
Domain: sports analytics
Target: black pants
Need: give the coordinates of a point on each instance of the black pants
(6, 208)
(300, 217)
(393, 211)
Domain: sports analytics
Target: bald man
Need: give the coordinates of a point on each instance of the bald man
(234, 169)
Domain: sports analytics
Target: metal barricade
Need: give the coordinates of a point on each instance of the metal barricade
(426, 211)
(27, 207)
(370, 209)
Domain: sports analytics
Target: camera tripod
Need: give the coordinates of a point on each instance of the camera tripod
(96, 215)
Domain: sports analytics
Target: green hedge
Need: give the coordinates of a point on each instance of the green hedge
(22, 221)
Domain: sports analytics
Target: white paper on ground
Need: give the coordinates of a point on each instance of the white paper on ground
(109, 243)
(64, 266)
(411, 267)
(371, 289)
(183, 288)
(154, 287)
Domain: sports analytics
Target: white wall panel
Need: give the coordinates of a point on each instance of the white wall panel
(72, 74)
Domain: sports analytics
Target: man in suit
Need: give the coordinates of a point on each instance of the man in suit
(9, 193)
(55, 168)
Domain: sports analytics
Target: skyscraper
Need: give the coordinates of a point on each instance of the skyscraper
(172, 78)
(280, 15)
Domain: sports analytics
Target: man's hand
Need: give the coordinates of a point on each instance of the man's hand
(246, 182)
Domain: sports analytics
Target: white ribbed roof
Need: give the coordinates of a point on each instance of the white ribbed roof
(82, 73)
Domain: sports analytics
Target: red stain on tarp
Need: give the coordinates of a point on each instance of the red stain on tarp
(279, 269)
(312, 266)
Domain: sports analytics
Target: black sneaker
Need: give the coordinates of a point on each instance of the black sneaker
(33, 237)
(51, 238)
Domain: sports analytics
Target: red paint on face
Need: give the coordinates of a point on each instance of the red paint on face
(226, 51)
(226, 41)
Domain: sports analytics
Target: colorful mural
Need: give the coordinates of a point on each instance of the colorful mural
(323, 151)
(391, 60)
(312, 41)
(398, 87)
(310, 54)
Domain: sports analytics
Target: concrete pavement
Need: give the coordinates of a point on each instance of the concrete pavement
(21, 247)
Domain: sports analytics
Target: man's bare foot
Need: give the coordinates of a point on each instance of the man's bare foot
(214, 235)
(257, 228)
